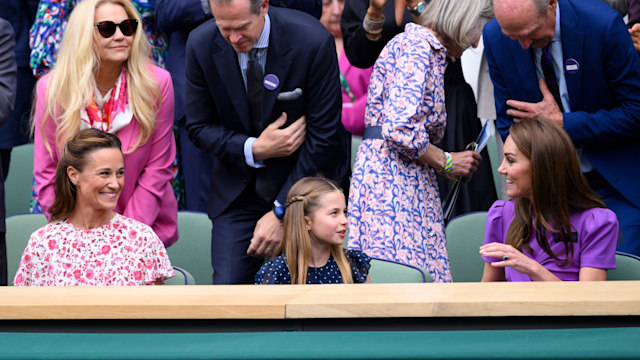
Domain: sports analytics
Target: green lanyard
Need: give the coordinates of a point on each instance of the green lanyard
(345, 86)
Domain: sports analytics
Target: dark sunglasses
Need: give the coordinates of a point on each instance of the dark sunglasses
(108, 28)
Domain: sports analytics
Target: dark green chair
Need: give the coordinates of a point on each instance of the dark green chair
(355, 142)
(627, 267)
(19, 229)
(386, 271)
(17, 188)
(465, 235)
(193, 248)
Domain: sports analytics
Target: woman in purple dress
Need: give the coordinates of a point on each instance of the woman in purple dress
(555, 227)
(394, 204)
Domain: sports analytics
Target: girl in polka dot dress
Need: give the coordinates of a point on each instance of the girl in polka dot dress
(314, 227)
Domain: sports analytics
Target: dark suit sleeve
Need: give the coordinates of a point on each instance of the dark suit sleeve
(203, 124)
(622, 71)
(361, 51)
(172, 15)
(500, 91)
(323, 149)
(634, 12)
(621, 6)
(8, 71)
(311, 7)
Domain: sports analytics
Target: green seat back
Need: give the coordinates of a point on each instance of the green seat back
(465, 235)
(355, 142)
(627, 267)
(193, 248)
(385, 271)
(183, 277)
(19, 229)
(495, 160)
(17, 188)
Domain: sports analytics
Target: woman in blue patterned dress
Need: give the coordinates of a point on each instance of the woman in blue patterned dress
(314, 228)
(394, 205)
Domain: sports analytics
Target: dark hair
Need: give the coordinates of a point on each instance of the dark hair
(75, 155)
(254, 5)
(557, 183)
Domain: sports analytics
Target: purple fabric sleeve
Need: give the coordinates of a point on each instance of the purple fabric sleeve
(598, 239)
(495, 230)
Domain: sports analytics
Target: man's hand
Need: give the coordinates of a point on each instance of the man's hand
(547, 108)
(635, 36)
(266, 236)
(275, 142)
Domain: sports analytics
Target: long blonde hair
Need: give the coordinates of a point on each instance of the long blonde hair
(303, 200)
(72, 81)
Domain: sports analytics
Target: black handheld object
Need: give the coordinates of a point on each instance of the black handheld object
(291, 103)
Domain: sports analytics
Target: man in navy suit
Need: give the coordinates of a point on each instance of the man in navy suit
(8, 70)
(288, 128)
(176, 19)
(593, 91)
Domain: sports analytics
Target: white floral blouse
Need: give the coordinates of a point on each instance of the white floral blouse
(121, 252)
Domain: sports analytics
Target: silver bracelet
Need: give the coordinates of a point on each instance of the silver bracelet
(371, 26)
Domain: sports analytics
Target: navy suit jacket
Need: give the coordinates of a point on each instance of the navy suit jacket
(20, 13)
(604, 94)
(302, 55)
(178, 18)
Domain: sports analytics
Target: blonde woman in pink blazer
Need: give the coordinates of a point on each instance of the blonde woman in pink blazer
(104, 80)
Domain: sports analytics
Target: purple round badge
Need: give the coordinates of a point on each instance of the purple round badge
(271, 82)
(572, 66)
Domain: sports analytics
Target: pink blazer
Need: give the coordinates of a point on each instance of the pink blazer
(358, 80)
(147, 195)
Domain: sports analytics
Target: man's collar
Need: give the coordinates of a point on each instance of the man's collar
(263, 41)
(556, 35)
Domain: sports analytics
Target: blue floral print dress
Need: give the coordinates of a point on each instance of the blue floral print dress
(394, 204)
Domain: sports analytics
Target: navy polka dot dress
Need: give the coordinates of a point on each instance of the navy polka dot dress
(277, 272)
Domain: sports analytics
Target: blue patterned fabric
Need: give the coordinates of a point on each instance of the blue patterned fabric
(394, 203)
(277, 272)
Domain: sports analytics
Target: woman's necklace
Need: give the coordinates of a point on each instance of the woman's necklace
(103, 89)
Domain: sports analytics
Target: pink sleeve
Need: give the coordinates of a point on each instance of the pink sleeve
(353, 115)
(153, 197)
(44, 169)
(31, 260)
(353, 112)
(156, 260)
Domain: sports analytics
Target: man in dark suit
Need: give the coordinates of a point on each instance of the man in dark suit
(176, 19)
(8, 71)
(263, 98)
(589, 83)
(20, 13)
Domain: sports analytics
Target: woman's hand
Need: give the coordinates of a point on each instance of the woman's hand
(377, 5)
(376, 9)
(516, 260)
(465, 163)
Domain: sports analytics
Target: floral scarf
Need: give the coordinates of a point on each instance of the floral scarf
(115, 113)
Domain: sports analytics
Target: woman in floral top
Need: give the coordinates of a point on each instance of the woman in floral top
(87, 243)
(394, 204)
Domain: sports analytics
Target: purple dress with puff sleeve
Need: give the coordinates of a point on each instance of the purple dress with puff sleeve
(596, 232)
